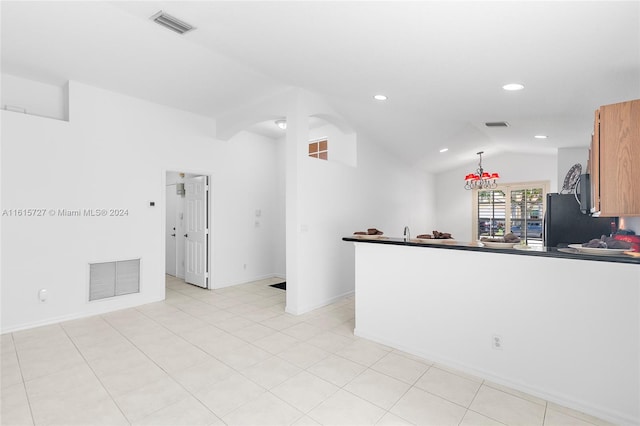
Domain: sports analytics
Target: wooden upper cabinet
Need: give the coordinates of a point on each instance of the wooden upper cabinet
(594, 164)
(616, 159)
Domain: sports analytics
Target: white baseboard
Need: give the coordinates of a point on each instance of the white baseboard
(249, 280)
(560, 399)
(315, 306)
(74, 316)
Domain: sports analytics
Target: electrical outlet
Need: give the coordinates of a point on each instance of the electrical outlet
(496, 342)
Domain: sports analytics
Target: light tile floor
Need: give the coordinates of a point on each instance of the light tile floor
(232, 356)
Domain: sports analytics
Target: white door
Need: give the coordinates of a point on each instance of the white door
(170, 231)
(196, 231)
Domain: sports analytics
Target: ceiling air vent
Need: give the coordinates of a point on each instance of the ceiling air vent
(497, 124)
(171, 23)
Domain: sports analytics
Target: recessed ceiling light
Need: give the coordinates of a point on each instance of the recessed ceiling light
(380, 97)
(513, 86)
(444, 150)
(282, 124)
(541, 136)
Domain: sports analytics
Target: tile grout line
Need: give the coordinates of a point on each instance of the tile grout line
(211, 304)
(93, 371)
(211, 355)
(301, 370)
(407, 391)
(276, 355)
(243, 375)
(170, 375)
(24, 382)
(358, 375)
(239, 370)
(506, 393)
(386, 410)
(475, 395)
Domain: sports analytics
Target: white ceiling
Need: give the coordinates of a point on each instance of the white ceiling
(441, 63)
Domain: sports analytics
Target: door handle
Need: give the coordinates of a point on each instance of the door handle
(185, 235)
(173, 235)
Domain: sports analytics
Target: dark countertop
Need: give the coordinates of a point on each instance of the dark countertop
(544, 251)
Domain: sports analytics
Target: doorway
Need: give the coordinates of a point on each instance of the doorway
(187, 227)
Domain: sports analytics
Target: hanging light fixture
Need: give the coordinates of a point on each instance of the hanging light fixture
(481, 179)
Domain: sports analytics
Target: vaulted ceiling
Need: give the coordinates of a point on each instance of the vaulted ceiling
(442, 64)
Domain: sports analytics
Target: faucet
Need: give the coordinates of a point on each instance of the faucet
(406, 233)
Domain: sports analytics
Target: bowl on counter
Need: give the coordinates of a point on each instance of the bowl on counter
(600, 251)
(435, 240)
(369, 237)
(498, 245)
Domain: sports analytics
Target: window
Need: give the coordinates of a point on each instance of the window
(491, 212)
(517, 208)
(319, 149)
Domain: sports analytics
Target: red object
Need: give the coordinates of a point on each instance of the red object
(633, 239)
(495, 176)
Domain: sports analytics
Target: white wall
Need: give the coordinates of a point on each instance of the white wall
(174, 177)
(245, 182)
(453, 202)
(338, 200)
(323, 201)
(114, 153)
(279, 238)
(631, 222)
(34, 98)
(567, 157)
(392, 195)
(342, 146)
(572, 338)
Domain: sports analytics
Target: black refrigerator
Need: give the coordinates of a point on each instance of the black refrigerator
(564, 223)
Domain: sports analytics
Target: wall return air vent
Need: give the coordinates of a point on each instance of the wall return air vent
(171, 23)
(110, 279)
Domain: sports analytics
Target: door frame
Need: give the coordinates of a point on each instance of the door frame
(209, 216)
(170, 194)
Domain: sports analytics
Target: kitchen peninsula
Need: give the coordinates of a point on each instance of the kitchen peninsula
(564, 327)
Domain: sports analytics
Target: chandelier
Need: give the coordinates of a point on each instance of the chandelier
(481, 179)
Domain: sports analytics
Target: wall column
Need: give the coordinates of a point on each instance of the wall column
(295, 149)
